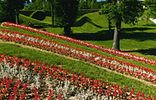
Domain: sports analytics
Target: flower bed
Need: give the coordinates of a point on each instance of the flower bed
(110, 63)
(108, 50)
(27, 79)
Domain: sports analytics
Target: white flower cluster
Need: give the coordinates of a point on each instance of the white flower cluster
(86, 54)
(112, 51)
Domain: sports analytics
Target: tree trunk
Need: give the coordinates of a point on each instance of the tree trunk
(116, 39)
(67, 30)
(52, 13)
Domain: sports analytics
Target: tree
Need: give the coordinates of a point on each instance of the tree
(83, 5)
(150, 9)
(4, 15)
(52, 11)
(36, 5)
(13, 8)
(89, 3)
(126, 11)
(105, 10)
(66, 13)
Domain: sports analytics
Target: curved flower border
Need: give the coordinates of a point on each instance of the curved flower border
(110, 63)
(18, 89)
(105, 49)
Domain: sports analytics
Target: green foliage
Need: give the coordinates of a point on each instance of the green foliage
(118, 11)
(47, 5)
(150, 8)
(66, 12)
(12, 8)
(83, 5)
(95, 5)
(126, 10)
(36, 5)
(39, 15)
(3, 12)
(26, 13)
(90, 4)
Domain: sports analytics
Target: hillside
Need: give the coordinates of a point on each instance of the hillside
(93, 28)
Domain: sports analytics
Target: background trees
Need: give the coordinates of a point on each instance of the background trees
(126, 11)
(150, 9)
(4, 14)
(66, 12)
(11, 9)
(36, 5)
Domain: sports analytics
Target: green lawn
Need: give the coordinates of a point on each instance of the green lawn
(92, 27)
(130, 42)
(139, 40)
(77, 67)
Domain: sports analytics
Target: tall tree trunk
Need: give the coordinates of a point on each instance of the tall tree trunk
(52, 13)
(116, 39)
(67, 30)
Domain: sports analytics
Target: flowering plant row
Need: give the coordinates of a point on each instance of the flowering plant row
(105, 49)
(27, 79)
(110, 63)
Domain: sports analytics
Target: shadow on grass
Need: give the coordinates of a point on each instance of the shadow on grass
(99, 36)
(41, 25)
(139, 36)
(135, 29)
(151, 51)
(150, 25)
(85, 19)
(108, 35)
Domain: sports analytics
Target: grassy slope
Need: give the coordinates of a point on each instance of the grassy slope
(77, 67)
(83, 47)
(142, 38)
(91, 31)
(92, 28)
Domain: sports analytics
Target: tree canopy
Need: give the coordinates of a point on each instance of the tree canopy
(12, 8)
(4, 15)
(126, 11)
(66, 12)
(151, 8)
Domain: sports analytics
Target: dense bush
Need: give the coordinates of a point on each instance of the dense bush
(92, 5)
(3, 12)
(37, 5)
(26, 13)
(40, 15)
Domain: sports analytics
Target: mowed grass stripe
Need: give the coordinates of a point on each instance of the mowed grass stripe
(77, 67)
(83, 47)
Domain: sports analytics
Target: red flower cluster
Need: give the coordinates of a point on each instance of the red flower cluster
(61, 74)
(8, 86)
(133, 70)
(105, 49)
